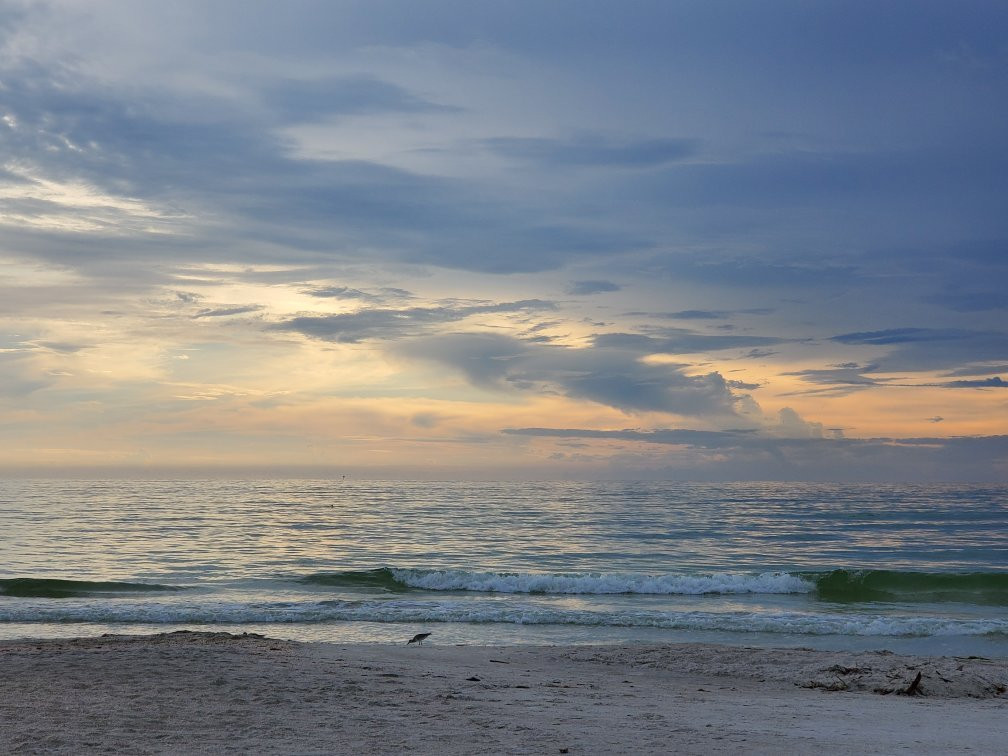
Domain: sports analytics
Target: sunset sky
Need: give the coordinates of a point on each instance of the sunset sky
(696, 240)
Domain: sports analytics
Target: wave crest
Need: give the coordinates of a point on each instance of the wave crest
(57, 588)
(986, 588)
(401, 580)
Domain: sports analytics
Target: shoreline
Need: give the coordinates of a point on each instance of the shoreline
(191, 692)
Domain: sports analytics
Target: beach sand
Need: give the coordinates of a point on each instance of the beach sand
(218, 693)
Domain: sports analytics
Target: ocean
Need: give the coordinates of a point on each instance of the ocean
(908, 568)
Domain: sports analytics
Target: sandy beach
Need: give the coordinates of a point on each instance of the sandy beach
(189, 692)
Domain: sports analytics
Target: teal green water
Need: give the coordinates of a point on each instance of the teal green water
(916, 567)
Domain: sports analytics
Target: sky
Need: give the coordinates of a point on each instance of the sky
(676, 240)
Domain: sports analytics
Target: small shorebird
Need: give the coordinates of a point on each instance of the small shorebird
(418, 639)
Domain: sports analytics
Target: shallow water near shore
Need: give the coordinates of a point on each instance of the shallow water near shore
(917, 569)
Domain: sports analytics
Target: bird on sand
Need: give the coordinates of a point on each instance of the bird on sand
(418, 639)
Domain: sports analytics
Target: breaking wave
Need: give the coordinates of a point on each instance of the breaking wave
(402, 580)
(490, 611)
(842, 585)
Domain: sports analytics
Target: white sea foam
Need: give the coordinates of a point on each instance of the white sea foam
(719, 583)
(488, 611)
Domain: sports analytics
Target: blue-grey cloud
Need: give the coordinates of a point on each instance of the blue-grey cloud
(667, 436)
(607, 376)
(733, 455)
(919, 349)
(235, 166)
(587, 151)
(851, 375)
(994, 382)
(61, 346)
(583, 288)
(309, 99)
(680, 341)
(976, 370)
(391, 324)
(752, 272)
(384, 294)
(972, 301)
(898, 336)
(220, 312)
(705, 314)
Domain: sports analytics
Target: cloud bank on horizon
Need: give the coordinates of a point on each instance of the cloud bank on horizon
(526, 239)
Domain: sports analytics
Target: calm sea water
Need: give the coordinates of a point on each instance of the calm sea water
(908, 568)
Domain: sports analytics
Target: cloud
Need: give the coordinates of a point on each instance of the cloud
(390, 324)
(734, 455)
(752, 271)
(324, 150)
(593, 151)
(974, 301)
(705, 314)
(994, 382)
(849, 376)
(792, 425)
(897, 336)
(583, 288)
(666, 436)
(215, 169)
(426, 419)
(974, 370)
(607, 376)
(225, 311)
(310, 99)
(61, 346)
(923, 349)
(18, 379)
(385, 294)
(680, 341)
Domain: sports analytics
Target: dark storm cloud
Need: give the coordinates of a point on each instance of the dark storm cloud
(587, 151)
(391, 324)
(584, 288)
(607, 376)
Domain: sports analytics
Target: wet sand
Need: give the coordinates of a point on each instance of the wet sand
(219, 693)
